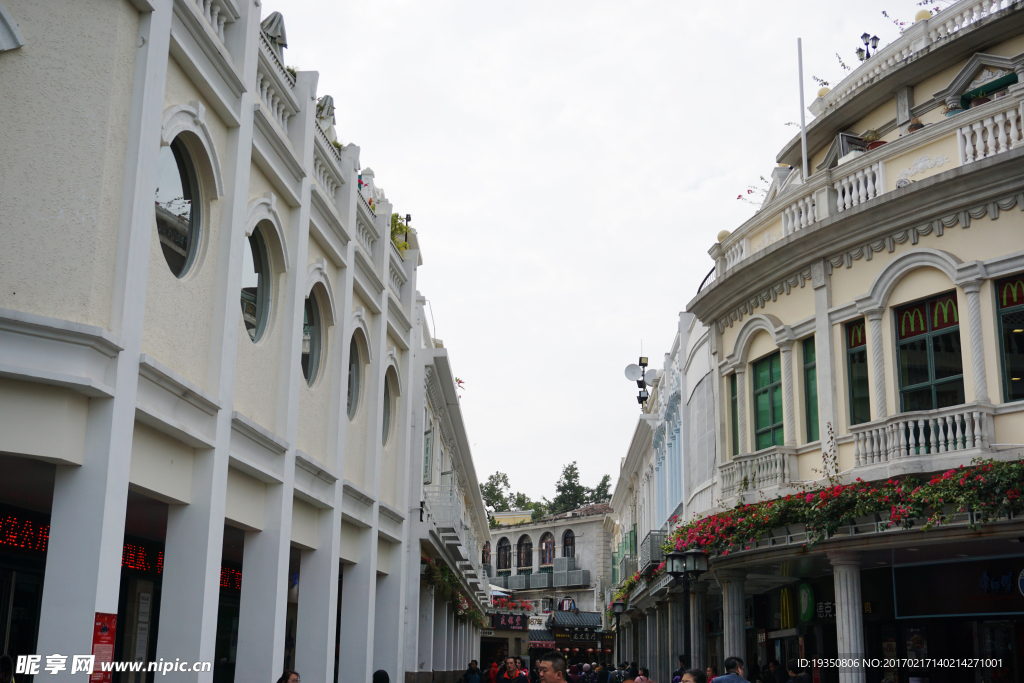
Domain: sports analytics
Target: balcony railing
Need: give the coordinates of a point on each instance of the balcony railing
(627, 567)
(651, 553)
(927, 432)
(576, 577)
(445, 510)
(981, 132)
(769, 467)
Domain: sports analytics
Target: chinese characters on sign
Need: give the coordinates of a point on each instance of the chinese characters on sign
(996, 584)
(510, 622)
(826, 609)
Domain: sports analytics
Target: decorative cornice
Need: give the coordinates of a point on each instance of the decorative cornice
(867, 250)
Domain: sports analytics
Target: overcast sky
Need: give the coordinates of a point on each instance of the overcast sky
(567, 165)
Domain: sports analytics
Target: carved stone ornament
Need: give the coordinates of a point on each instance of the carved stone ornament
(985, 76)
(923, 164)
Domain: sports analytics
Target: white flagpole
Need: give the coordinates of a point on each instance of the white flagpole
(803, 124)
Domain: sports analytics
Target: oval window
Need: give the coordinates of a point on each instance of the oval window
(353, 379)
(311, 340)
(386, 430)
(177, 207)
(255, 285)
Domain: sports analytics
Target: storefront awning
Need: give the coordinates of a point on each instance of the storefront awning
(541, 638)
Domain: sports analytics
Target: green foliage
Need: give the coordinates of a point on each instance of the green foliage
(570, 494)
(495, 492)
(603, 490)
(399, 230)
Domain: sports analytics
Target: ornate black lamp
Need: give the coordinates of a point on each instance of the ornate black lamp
(686, 566)
(618, 607)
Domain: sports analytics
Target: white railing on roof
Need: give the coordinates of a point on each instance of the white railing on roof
(218, 13)
(276, 103)
(945, 25)
(799, 214)
(753, 471)
(271, 53)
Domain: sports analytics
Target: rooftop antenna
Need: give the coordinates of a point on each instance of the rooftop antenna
(803, 124)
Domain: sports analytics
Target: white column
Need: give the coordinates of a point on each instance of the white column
(972, 289)
(358, 613)
(741, 409)
(450, 646)
(316, 631)
(387, 653)
(698, 620)
(849, 613)
(733, 612)
(824, 349)
(788, 408)
(425, 646)
(440, 638)
(878, 361)
(676, 631)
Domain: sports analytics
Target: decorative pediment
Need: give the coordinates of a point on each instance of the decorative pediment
(980, 69)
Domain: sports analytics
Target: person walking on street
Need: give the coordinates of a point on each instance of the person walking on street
(381, 676)
(472, 674)
(512, 672)
(734, 670)
(588, 675)
(552, 668)
(711, 673)
(492, 673)
(289, 677)
(694, 676)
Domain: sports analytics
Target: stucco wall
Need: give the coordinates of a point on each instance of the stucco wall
(305, 519)
(161, 465)
(315, 401)
(75, 70)
(42, 421)
(258, 365)
(348, 549)
(946, 147)
(244, 502)
(179, 313)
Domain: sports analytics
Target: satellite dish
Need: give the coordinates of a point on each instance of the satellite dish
(651, 375)
(633, 372)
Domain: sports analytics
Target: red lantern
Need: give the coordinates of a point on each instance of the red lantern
(575, 649)
(608, 650)
(590, 649)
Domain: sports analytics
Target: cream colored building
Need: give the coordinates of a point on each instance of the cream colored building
(876, 298)
(213, 358)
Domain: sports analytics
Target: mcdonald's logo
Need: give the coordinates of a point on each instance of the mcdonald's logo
(914, 316)
(1011, 288)
(856, 334)
(945, 307)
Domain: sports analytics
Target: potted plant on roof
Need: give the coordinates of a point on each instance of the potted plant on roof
(952, 109)
(873, 139)
(915, 125)
(979, 98)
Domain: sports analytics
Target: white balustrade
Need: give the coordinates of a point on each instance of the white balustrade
(276, 104)
(324, 177)
(759, 470)
(859, 186)
(217, 14)
(735, 254)
(961, 15)
(927, 432)
(991, 135)
(799, 215)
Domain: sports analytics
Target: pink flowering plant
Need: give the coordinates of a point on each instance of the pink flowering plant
(988, 487)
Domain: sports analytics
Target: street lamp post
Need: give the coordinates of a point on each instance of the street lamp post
(618, 607)
(870, 43)
(686, 566)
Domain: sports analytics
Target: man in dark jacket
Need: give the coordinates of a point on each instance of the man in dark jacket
(603, 673)
(734, 670)
(472, 674)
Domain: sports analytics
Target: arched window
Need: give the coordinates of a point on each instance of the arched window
(525, 552)
(256, 285)
(354, 367)
(547, 549)
(504, 554)
(485, 556)
(386, 420)
(312, 339)
(568, 544)
(177, 207)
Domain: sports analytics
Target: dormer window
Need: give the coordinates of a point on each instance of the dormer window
(984, 78)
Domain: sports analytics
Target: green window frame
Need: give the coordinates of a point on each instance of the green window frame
(929, 356)
(768, 429)
(1010, 304)
(734, 414)
(857, 372)
(811, 390)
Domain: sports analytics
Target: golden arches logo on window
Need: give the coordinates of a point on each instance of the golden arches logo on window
(916, 320)
(1012, 293)
(855, 334)
(947, 309)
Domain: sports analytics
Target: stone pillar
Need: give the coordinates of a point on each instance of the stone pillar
(425, 644)
(741, 409)
(676, 631)
(387, 644)
(358, 613)
(651, 655)
(440, 634)
(698, 621)
(318, 599)
(788, 408)
(849, 613)
(824, 349)
(878, 361)
(972, 289)
(735, 641)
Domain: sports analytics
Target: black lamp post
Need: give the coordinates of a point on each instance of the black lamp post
(870, 43)
(687, 566)
(618, 607)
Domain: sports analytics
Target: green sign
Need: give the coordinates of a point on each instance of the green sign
(806, 602)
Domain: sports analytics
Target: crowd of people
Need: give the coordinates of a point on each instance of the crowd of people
(552, 668)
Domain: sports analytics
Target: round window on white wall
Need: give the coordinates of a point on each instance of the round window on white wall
(255, 285)
(386, 420)
(177, 207)
(354, 365)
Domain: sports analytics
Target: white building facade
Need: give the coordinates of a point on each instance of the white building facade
(211, 409)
